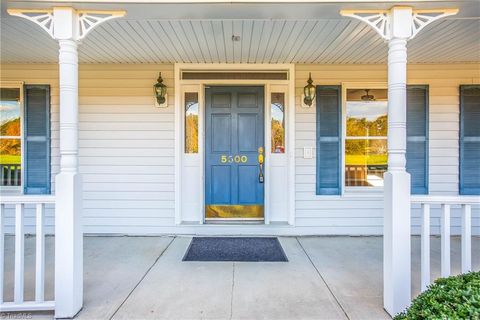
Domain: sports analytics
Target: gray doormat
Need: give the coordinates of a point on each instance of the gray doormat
(235, 249)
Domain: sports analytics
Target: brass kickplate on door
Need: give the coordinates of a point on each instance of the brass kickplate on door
(234, 211)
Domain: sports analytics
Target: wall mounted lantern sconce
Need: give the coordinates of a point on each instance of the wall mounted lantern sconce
(160, 91)
(308, 93)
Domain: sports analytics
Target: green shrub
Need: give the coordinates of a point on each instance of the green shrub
(456, 297)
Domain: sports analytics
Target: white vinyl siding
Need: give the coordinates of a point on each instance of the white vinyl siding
(126, 149)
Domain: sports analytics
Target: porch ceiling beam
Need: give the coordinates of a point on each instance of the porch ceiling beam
(397, 25)
(68, 26)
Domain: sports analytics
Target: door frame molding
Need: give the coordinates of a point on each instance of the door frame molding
(182, 86)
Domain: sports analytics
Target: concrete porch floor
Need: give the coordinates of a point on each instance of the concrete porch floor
(144, 278)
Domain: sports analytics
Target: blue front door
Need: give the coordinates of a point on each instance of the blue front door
(234, 140)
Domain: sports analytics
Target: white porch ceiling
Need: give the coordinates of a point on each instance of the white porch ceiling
(335, 40)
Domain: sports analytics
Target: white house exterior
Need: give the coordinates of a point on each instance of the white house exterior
(118, 162)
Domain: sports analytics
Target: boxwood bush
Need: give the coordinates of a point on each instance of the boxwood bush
(456, 297)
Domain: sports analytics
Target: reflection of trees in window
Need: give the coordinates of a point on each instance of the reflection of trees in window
(363, 127)
(191, 122)
(366, 141)
(278, 123)
(10, 147)
(10, 137)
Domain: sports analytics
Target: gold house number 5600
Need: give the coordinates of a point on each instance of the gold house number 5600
(229, 159)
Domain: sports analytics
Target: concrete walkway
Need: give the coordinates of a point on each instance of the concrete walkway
(144, 278)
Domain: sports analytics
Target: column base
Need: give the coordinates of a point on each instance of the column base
(68, 245)
(396, 242)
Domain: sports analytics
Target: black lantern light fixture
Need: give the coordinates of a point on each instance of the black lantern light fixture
(309, 92)
(160, 90)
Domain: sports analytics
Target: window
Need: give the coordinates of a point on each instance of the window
(366, 137)
(364, 144)
(10, 138)
(191, 122)
(470, 140)
(278, 122)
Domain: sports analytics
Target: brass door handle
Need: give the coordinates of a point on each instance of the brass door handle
(261, 178)
(260, 158)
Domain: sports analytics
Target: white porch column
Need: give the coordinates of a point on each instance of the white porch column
(396, 227)
(68, 186)
(68, 26)
(397, 26)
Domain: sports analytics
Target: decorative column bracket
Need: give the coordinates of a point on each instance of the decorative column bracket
(381, 20)
(85, 20)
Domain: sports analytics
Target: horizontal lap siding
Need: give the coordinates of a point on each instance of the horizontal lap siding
(126, 145)
(363, 214)
(126, 148)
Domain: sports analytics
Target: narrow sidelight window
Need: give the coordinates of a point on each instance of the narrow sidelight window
(10, 139)
(470, 140)
(191, 122)
(278, 122)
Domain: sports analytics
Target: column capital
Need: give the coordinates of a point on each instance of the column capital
(63, 23)
(399, 21)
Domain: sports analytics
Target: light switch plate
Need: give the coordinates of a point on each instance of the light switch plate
(307, 152)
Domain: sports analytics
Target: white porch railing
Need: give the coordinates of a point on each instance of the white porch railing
(466, 203)
(18, 303)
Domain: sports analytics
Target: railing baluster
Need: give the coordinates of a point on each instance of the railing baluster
(40, 254)
(466, 238)
(425, 247)
(2, 249)
(14, 176)
(17, 176)
(19, 253)
(445, 239)
(9, 176)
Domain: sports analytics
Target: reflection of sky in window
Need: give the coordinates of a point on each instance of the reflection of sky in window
(370, 110)
(277, 113)
(9, 110)
(192, 109)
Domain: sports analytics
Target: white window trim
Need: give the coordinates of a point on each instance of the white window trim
(17, 85)
(345, 86)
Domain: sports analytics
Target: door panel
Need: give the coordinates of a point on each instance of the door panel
(221, 180)
(221, 133)
(247, 130)
(234, 133)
